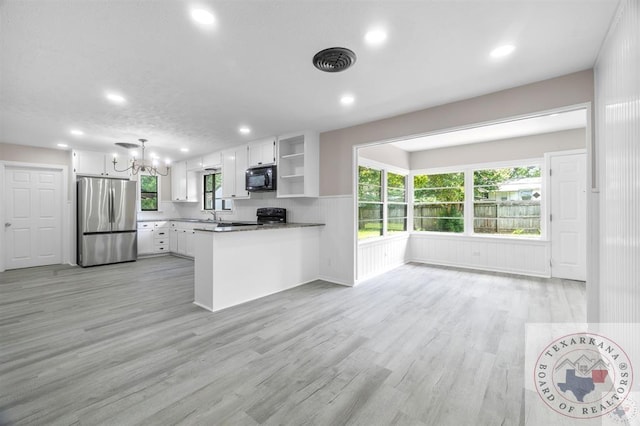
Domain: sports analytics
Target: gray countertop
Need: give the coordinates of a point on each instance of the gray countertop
(259, 227)
(226, 225)
(177, 220)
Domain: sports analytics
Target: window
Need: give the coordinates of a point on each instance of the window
(212, 185)
(507, 200)
(370, 203)
(438, 202)
(396, 202)
(382, 202)
(148, 193)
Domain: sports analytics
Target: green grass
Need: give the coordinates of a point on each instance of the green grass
(372, 230)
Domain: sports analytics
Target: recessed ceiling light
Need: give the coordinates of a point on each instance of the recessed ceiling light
(347, 99)
(76, 132)
(184, 149)
(63, 145)
(116, 98)
(502, 51)
(375, 37)
(202, 16)
(244, 130)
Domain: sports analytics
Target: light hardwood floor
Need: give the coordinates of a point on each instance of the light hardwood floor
(123, 344)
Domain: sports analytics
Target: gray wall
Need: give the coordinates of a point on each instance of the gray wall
(32, 154)
(502, 150)
(336, 146)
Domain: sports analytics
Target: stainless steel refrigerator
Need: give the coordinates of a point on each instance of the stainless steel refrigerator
(106, 221)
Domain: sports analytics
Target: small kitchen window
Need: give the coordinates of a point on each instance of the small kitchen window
(212, 185)
(148, 193)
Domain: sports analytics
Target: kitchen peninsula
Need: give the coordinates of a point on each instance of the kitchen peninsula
(235, 264)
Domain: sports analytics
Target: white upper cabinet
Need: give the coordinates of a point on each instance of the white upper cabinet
(212, 160)
(91, 163)
(234, 166)
(194, 164)
(184, 183)
(298, 165)
(262, 152)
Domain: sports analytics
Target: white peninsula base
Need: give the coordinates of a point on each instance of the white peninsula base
(235, 267)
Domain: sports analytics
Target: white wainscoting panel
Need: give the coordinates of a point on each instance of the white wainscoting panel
(380, 255)
(337, 238)
(525, 257)
(618, 140)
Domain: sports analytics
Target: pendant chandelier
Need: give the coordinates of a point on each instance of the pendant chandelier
(140, 166)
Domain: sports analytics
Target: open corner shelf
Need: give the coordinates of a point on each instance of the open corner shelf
(291, 156)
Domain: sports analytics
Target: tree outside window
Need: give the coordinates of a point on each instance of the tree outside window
(438, 202)
(507, 200)
(213, 192)
(148, 193)
(370, 206)
(396, 202)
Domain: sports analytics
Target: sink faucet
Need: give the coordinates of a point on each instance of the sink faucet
(213, 213)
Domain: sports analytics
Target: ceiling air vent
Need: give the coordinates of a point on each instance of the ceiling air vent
(334, 59)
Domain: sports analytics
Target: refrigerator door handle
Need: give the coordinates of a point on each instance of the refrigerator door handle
(111, 202)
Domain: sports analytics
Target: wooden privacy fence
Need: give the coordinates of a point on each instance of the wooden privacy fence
(522, 217)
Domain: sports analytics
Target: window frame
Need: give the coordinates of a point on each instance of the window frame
(468, 170)
(157, 192)
(385, 169)
(389, 203)
(440, 171)
(224, 201)
(542, 197)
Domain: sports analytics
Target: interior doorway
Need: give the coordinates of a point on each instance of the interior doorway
(32, 216)
(503, 148)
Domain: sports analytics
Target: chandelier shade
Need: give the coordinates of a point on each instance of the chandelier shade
(140, 165)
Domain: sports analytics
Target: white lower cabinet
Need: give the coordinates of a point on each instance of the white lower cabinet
(173, 239)
(181, 239)
(145, 241)
(153, 237)
(166, 237)
(161, 237)
(190, 243)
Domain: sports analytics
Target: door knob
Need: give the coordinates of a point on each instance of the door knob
(7, 224)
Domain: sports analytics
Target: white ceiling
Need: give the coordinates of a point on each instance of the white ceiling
(510, 129)
(189, 86)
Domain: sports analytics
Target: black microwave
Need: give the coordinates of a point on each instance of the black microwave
(260, 179)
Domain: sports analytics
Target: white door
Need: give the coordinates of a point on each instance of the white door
(568, 216)
(33, 217)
